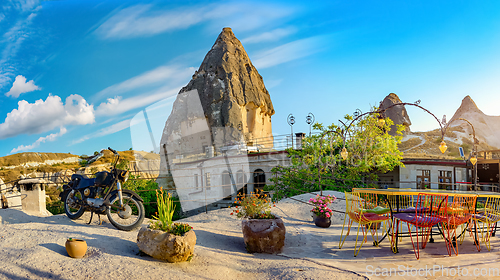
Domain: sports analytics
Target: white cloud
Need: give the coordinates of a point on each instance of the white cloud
(50, 137)
(273, 35)
(105, 131)
(42, 116)
(25, 5)
(21, 86)
(117, 105)
(143, 20)
(13, 40)
(156, 76)
(290, 51)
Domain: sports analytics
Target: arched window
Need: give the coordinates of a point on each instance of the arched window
(241, 181)
(226, 186)
(259, 180)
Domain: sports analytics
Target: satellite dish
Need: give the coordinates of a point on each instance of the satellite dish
(461, 151)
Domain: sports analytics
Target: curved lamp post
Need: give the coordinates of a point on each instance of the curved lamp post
(473, 158)
(381, 122)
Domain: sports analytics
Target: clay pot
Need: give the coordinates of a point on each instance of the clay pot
(263, 235)
(166, 246)
(323, 222)
(76, 248)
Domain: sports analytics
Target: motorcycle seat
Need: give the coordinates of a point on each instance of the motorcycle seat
(83, 181)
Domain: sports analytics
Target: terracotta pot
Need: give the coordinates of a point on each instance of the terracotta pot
(166, 246)
(323, 222)
(263, 235)
(76, 248)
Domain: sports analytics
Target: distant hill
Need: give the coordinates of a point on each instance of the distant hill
(48, 165)
(458, 134)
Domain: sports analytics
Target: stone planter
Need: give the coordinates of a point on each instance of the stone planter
(323, 222)
(264, 235)
(166, 246)
(76, 248)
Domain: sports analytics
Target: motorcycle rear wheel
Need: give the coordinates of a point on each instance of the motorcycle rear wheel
(72, 210)
(129, 219)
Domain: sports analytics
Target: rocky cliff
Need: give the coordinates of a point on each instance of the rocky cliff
(397, 114)
(487, 128)
(231, 95)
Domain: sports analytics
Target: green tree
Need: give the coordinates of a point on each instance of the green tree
(319, 165)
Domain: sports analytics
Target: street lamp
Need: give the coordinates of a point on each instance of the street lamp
(310, 121)
(291, 122)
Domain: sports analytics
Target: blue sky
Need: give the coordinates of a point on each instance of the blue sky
(73, 74)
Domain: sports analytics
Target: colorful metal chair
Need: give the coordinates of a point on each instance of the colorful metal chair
(430, 210)
(487, 218)
(366, 212)
(460, 214)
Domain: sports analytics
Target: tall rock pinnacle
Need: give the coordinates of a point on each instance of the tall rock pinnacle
(232, 96)
(468, 106)
(227, 82)
(397, 114)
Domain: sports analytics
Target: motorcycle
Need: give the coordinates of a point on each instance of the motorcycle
(104, 195)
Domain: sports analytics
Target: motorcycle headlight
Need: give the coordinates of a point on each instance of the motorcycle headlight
(123, 175)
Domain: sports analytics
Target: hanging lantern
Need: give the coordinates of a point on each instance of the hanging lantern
(443, 147)
(473, 160)
(381, 121)
(344, 153)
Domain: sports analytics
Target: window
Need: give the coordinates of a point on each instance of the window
(196, 181)
(445, 180)
(207, 179)
(226, 186)
(424, 179)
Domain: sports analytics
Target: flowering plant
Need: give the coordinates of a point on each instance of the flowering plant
(253, 206)
(163, 218)
(321, 205)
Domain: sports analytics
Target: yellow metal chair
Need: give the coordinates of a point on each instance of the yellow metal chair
(487, 218)
(366, 212)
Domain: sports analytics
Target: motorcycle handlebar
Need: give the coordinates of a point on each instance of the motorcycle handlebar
(114, 152)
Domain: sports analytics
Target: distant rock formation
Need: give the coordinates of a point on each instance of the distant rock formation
(487, 128)
(397, 114)
(232, 96)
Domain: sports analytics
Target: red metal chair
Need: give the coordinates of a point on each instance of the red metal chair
(430, 210)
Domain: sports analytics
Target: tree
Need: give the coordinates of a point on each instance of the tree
(319, 165)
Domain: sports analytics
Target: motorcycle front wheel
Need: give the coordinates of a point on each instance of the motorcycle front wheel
(129, 218)
(72, 209)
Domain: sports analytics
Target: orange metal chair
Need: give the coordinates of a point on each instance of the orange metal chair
(430, 210)
(460, 212)
(367, 214)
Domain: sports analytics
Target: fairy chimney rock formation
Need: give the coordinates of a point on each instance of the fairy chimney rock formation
(397, 114)
(467, 107)
(232, 95)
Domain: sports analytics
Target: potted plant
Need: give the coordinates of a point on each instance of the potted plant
(163, 239)
(321, 212)
(263, 232)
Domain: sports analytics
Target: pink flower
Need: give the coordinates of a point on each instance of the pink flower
(321, 211)
(327, 215)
